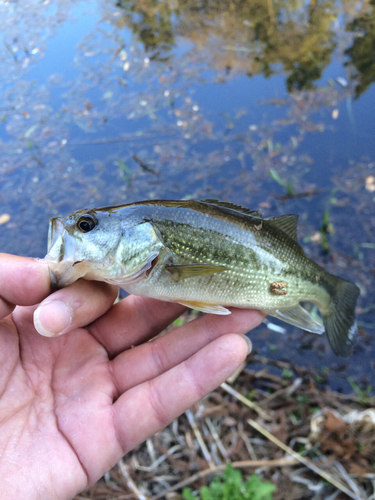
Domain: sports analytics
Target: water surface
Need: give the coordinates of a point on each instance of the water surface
(105, 103)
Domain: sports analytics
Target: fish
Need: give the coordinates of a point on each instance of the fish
(207, 255)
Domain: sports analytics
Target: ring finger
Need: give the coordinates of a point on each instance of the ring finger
(151, 359)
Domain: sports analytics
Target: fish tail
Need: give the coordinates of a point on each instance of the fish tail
(340, 322)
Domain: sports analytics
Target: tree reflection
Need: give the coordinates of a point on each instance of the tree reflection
(253, 37)
(362, 52)
(151, 21)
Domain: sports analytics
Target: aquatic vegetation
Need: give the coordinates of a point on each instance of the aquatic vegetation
(159, 86)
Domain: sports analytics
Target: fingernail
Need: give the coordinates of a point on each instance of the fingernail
(249, 344)
(52, 318)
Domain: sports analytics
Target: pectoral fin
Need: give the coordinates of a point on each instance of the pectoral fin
(206, 307)
(193, 270)
(298, 316)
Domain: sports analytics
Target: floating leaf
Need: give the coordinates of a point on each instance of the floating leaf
(30, 130)
(370, 183)
(124, 167)
(4, 219)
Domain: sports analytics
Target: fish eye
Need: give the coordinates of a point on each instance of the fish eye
(86, 223)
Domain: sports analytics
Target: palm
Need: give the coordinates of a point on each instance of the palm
(58, 403)
(72, 405)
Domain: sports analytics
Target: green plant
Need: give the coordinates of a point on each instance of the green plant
(283, 183)
(363, 395)
(324, 229)
(231, 487)
(286, 373)
(303, 399)
(251, 395)
(126, 172)
(326, 225)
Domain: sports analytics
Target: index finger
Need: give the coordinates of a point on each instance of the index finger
(24, 281)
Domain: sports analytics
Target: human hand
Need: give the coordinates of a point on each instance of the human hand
(72, 405)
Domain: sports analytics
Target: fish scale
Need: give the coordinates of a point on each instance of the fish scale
(253, 277)
(207, 255)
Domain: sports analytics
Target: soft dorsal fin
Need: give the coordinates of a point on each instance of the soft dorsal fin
(233, 207)
(287, 223)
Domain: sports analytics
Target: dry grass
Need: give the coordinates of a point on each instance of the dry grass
(310, 442)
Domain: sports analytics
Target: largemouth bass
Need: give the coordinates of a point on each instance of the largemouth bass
(207, 255)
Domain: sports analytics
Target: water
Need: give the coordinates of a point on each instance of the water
(212, 99)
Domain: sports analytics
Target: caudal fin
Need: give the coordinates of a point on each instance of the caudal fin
(340, 322)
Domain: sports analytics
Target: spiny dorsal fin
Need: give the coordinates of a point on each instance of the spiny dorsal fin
(232, 206)
(287, 223)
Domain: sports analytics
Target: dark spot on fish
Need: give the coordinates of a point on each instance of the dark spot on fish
(277, 288)
(258, 227)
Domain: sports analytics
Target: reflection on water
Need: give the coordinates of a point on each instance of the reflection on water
(266, 103)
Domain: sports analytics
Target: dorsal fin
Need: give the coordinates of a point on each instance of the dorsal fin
(233, 207)
(287, 223)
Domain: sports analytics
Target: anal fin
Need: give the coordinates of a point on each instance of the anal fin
(205, 307)
(299, 317)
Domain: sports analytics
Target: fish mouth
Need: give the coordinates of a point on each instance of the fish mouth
(64, 274)
(55, 230)
(61, 250)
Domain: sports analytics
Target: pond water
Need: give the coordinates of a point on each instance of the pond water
(269, 104)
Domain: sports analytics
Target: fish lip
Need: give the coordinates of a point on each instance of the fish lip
(61, 245)
(63, 274)
(55, 229)
(53, 279)
(60, 256)
(60, 277)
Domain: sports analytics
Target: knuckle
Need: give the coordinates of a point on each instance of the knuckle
(157, 405)
(159, 356)
(196, 383)
(145, 314)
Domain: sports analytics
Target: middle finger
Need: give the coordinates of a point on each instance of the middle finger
(132, 321)
(149, 360)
